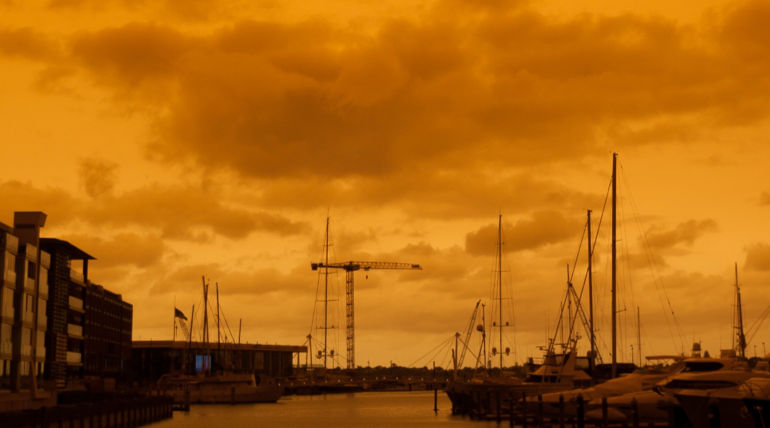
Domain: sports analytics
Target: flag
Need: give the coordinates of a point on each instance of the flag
(179, 314)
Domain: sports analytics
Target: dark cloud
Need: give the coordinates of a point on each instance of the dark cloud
(131, 54)
(543, 228)
(140, 250)
(97, 176)
(60, 206)
(187, 279)
(177, 212)
(758, 257)
(684, 233)
(436, 194)
(764, 198)
(27, 43)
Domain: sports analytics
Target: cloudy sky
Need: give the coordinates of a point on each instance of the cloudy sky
(173, 139)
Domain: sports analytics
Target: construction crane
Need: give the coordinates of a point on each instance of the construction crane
(350, 268)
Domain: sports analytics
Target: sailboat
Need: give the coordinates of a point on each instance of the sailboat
(557, 373)
(200, 385)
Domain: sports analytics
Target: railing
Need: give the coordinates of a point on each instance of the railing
(76, 303)
(74, 358)
(74, 330)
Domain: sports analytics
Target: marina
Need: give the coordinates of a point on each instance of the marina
(344, 213)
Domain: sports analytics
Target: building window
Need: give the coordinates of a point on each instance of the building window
(31, 270)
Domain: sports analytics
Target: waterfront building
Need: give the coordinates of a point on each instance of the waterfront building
(152, 359)
(89, 326)
(9, 244)
(30, 299)
(107, 334)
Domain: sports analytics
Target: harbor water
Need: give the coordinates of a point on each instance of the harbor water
(356, 410)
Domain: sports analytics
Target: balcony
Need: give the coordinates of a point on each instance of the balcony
(42, 320)
(77, 277)
(40, 351)
(76, 304)
(74, 358)
(28, 318)
(74, 330)
(29, 285)
(10, 278)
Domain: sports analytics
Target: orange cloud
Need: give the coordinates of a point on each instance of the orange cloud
(178, 212)
(758, 257)
(545, 227)
(683, 233)
(26, 43)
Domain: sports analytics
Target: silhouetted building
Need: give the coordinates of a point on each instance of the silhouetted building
(152, 359)
(89, 326)
(23, 321)
(107, 333)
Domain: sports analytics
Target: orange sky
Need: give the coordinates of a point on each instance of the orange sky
(175, 139)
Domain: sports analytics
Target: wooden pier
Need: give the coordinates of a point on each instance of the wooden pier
(520, 410)
(122, 413)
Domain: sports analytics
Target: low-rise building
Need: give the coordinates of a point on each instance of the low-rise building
(89, 326)
(151, 359)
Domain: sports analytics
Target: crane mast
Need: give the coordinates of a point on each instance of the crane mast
(350, 267)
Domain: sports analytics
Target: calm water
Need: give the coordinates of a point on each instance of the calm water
(367, 409)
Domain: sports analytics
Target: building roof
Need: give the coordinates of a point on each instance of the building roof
(55, 245)
(168, 344)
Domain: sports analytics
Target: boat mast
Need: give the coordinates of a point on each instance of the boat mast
(500, 283)
(614, 267)
(484, 333)
(741, 348)
(219, 344)
(591, 360)
(639, 335)
(189, 341)
(326, 287)
(205, 336)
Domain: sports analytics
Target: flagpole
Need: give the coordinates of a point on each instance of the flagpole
(174, 319)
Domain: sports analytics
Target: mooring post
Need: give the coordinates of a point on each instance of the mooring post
(540, 410)
(634, 413)
(604, 412)
(497, 404)
(561, 410)
(580, 411)
(435, 390)
(524, 409)
(511, 400)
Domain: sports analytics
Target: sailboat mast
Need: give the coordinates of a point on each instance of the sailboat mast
(219, 344)
(205, 313)
(614, 267)
(326, 288)
(484, 333)
(739, 318)
(591, 360)
(189, 340)
(500, 283)
(639, 335)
